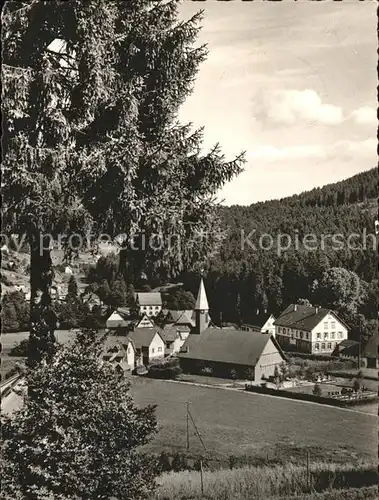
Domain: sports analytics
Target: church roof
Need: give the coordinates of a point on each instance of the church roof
(227, 345)
(202, 301)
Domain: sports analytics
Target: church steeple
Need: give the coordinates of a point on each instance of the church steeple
(201, 309)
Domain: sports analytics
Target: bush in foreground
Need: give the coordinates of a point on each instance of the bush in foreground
(77, 434)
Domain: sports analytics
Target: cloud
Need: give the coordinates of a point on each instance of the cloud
(287, 107)
(342, 150)
(365, 115)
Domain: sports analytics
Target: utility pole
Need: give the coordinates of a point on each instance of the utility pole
(188, 443)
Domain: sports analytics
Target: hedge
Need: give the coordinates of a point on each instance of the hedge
(310, 397)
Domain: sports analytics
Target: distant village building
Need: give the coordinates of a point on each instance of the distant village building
(347, 349)
(250, 354)
(261, 322)
(149, 303)
(310, 329)
(118, 319)
(68, 271)
(120, 353)
(145, 322)
(148, 343)
(369, 355)
(183, 317)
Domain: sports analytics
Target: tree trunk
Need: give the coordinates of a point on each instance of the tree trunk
(43, 320)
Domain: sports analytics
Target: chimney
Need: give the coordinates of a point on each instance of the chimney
(265, 310)
(257, 312)
(295, 307)
(316, 309)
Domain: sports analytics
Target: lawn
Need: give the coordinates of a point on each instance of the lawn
(233, 422)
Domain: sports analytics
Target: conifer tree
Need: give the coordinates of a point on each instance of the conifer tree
(92, 139)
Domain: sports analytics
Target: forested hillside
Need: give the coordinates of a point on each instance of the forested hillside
(246, 276)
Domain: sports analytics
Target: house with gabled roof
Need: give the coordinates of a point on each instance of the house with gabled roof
(250, 354)
(148, 343)
(309, 329)
(149, 303)
(262, 321)
(145, 322)
(117, 319)
(223, 350)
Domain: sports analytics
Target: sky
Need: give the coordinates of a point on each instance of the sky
(291, 83)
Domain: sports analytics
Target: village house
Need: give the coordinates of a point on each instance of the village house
(149, 303)
(310, 329)
(250, 354)
(121, 354)
(148, 343)
(120, 318)
(263, 321)
(145, 322)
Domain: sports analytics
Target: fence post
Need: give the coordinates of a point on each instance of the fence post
(201, 477)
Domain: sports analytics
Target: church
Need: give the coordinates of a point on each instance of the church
(227, 352)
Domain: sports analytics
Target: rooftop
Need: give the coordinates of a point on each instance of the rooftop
(226, 345)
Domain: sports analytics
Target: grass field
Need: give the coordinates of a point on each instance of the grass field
(233, 422)
(326, 481)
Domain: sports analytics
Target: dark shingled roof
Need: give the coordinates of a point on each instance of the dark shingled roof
(226, 345)
(142, 337)
(304, 317)
(169, 333)
(258, 320)
(347, 348)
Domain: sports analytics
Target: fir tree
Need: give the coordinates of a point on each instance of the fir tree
(90, 123)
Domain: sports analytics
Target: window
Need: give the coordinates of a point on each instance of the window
(340, 335)
(159, 349)
(318, 336)
(152, 350)
(329, 345)
(333, 335)
(129, 350)
(156, 307)
(325, 335)
(307, 335)
(150, 307)
(301, 335)
(333, 324)
(317, 346)
(325, 325)
(284, 330)
(323, 346)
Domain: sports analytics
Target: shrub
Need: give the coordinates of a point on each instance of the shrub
(20, 349)
(167, 370)
(317, 390)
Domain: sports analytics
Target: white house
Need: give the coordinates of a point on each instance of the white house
(145, 322)
(148, 343)
(116, 320)
(261, 322)
(172, 338)
(310, 329)
(149, 303)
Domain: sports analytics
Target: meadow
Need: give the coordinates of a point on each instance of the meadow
(322, 481)
(234, 422)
